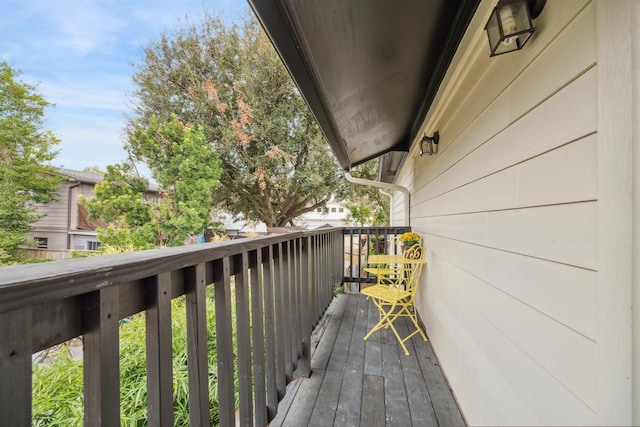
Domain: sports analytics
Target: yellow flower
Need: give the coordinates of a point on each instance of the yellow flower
(409, 238)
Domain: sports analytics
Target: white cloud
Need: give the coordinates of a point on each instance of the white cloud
(90, 95)
(80, 50)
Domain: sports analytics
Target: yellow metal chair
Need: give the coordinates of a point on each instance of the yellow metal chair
(398, 300)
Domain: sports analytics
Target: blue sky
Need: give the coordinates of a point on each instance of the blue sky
(79, 53)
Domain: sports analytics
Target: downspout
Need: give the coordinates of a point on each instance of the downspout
(394, 187)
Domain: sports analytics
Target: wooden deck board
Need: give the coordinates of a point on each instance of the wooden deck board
(373, 410)
(350, 400)
(322, 354)
(395, 394)
(368, 383)
(418, 397)
(373, 354)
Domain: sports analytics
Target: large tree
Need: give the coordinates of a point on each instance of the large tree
(187, 172)
(26, 149)
(276, 164)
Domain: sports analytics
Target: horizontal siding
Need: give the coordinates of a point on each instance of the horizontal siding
(559, 291)
(636, 208)
(501, 382)
(541, 130)
(563, 175)
(559, 233)
(56, 240)
(509, 212)
(55, 212)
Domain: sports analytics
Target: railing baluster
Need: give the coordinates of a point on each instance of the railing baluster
(159, 351)
(280, 308)
(321, 266)
(296, 345)
(286, 310)
(338, 241)
(101, 358)
(257, 326)
(198, 363)
(244, 343)
(15, 367)
(224, 344)
(304, 369)
(270, 336)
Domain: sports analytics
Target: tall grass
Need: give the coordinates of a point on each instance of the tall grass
(58, 389)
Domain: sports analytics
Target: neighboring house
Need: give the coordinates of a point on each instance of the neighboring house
(239, 227)
(530, 208)
(335, 214)
(65, 225)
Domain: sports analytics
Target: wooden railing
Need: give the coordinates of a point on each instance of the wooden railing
(282, 284)
(360, 242)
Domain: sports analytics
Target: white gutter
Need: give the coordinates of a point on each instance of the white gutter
(394, 187)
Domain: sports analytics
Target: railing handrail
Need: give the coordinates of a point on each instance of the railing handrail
(27, 285)
(354, 273)
(283, 283)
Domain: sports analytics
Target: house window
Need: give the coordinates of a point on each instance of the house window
(341, 210)
(93, 245)
(41, 242)
(333, 210)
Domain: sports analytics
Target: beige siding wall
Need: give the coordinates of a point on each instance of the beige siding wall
(54, 225)
(636, 210)
(56, 212)
(518, 283)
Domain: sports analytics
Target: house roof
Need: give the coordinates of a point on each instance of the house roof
(368, 69)
(88, 177)
(92, 178)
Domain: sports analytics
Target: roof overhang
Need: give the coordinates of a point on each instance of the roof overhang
(368, 69)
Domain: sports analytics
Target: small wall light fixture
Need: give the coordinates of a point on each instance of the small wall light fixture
(509, 27)
(429, 144)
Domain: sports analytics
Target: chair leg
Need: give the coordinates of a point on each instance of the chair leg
(386, 321)
(384, 315)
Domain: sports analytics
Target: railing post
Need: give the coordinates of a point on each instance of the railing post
(159, 351)
(304, 368)
(198, 361)
(101, 358)
(15, 367)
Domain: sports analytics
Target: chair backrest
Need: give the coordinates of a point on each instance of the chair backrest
(413, 259)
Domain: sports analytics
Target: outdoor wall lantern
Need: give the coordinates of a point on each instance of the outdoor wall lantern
(431, 146)
(509, 27)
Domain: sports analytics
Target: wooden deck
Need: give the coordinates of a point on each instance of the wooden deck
(367, 383)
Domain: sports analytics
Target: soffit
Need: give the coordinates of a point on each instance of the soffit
(369, 69)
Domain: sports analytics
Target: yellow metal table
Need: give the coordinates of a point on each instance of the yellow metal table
(386, 268)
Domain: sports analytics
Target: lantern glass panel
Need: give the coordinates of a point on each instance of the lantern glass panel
(509, 26)
(521, 17)
(493, 31)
